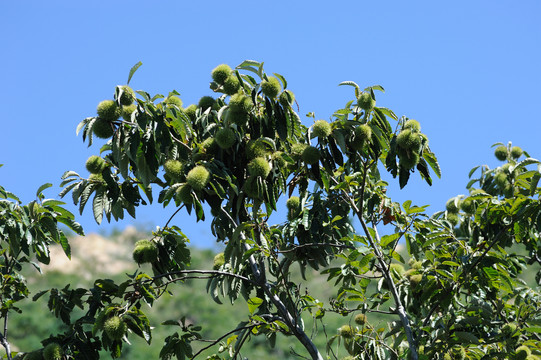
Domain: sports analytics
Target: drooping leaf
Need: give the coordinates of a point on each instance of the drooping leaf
(133, 70)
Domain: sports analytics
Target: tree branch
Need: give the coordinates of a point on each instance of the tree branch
(295, 247)
(373, 243)
(3, 338)
(258, 272)
(224, 336)
(205, 272)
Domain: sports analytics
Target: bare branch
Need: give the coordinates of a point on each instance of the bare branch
(214, 342)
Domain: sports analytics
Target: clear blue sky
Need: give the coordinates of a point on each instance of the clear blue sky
(469, 71)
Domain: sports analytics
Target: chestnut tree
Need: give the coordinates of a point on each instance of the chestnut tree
(233, 157)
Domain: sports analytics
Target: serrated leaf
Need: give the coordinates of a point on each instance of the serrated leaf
(388, 112)
(433, 162)
(282, 79)
(98, 204)
(39, 294)
(468, 337)
(133, 70)
(43, 187)
(387, 239)
(534, 182)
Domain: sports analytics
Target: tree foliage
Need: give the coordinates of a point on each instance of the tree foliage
(232, 157)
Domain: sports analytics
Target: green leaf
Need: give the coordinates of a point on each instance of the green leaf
(387, 239)
(282, 79)
(133, 70)
(387, 112)
(534, 182)
(65, 245)
(403, 177)
(39, 294)
(41, 188)
(533, 329)
(253, 304)
(375, 87)
(467, 337)
(433, 162)
(99, 204)
(52, 202)
(349, 83)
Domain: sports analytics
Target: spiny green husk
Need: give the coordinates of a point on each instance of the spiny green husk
(321, 129)
(360, 319)
(238, 117)
(256, 148)
(206, 102)
(220, 73)
(127, 110)
(173, 100)
(190, 111)
(115, 328)
(501, 153)
(198, 177)
(184, 194)
(259, 167)
(409, 140)
(415, 280)
(412, 125)
(128, 96)
(398, 269)
(103, 128)
(363, 132)
(500, 179)
(145, 251)
(311, 155)
(362, 136)
(297, 150)
(240, 103)
(293, 205)
(225, 138)
(231, 85)
(453, 218)
(409, 159)
(516, 152)
(271, 87)
(410, 272)
(251, 188)
(95, 164)
(209, 146)
(278, 159)
(346, 331)
(286, 98)
(108, 110)
(416, 265)
(173, 168)
(467, 205)
(452, 205)
(53, 351)
(219, 260)
(365, 101)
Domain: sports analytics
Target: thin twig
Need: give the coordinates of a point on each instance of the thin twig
(295, 247)
(224, 336)
(207, 272)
